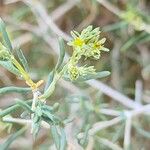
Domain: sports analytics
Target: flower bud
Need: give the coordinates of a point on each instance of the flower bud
(4, 54)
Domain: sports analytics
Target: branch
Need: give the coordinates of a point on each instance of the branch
(127, 114)
(117, 96)
(127, 132)
(23, 121)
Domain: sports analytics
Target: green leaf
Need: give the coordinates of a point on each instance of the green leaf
(11, 109)
(62, 53)
(50, 116)
(36, 119)
(105, 49)
(36, 125)
(50, 79)
(5, 90)
(99, 75)
(48, 108)
(63, 141)
(12, 138)
(84, 140)
(24, 105)
(145, 39)
(38, 111)
(22, 59)
(25, 115)
(115, 26)
(56, 107)
(56, 136)
(133, 40)
(59, 139)
(9, 66)
(5, 35)
(8, 110)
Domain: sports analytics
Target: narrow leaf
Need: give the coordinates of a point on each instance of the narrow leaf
(115, 26)
(99, 75)
(12, 138)
(10, 109)
(36, 127)
(25, 115)
(56, 136)
(23, 60)
(62, 53)
(9, 66)
(5, 35)
(48, 108)
(24, 105)
(51, 116)
(105, 49)
(133, 40)
(50, 79)
(84, 140)
(63, 141)
(5, 90)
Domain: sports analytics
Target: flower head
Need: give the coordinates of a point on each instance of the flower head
(75, 71)
(132, 17)
(87, 44)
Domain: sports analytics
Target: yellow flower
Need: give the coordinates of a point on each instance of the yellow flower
(78, 42)
(94, 49)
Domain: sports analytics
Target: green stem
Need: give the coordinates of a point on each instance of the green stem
(51, 88)
(10, 109)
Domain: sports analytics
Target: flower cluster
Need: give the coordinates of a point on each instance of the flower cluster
(131, 16)
(75, 71)
(87, 44)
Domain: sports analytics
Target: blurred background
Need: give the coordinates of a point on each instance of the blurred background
(35, 25)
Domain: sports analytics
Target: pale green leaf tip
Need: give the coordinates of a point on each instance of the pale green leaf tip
(108, 73)
(105, 49)
(105, 73)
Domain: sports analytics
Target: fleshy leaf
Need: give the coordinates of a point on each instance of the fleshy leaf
(62, 53)
(5, 90)
(56, 136)
(63, 141)
(9, 66)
